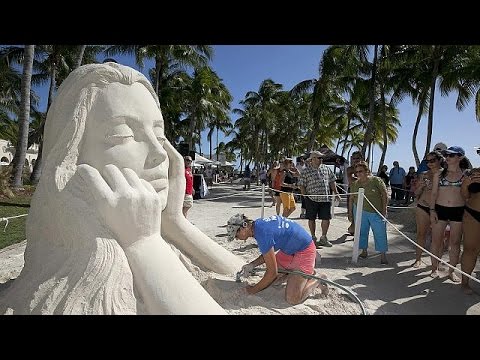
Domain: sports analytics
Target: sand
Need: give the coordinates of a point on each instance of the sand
(395, 288)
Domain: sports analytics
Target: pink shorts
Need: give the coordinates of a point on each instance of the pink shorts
(303, 260)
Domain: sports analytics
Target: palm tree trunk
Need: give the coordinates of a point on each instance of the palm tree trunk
(210, 141)
(313, 135)
(347, 133)
(81, 51)
(37, 169)
(385, 135)
(158, 71)
(22, 142)
(421, 105)
(368, 131)
(430, 107)
(217, 145)
(191, 128)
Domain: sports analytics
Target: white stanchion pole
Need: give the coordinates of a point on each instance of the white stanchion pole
(263, 200)
(358, 223)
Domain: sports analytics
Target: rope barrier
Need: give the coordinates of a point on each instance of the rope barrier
(8, 218)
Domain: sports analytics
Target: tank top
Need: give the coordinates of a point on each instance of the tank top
(277, 181)
(287, 180)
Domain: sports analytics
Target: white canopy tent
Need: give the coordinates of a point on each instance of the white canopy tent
(199, 159)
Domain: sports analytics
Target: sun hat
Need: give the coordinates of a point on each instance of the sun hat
(234, 223)
(440, 147)
(455, 150)
(315, 154)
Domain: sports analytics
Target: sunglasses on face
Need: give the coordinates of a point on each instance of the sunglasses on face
(450, 155)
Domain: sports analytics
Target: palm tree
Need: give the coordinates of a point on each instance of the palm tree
(21, 149)
(371, 114)
(169, 61)
(55, 64)
(208, 99)
(81, 51)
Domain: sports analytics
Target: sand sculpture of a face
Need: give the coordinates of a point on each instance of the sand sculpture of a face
(107, 209)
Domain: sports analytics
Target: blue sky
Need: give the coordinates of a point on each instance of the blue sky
(244, 67)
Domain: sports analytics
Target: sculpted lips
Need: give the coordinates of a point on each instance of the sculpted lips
(159, 184)
(157, 178)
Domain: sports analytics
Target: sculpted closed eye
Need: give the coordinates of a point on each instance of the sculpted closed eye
(159, 134)
(119, 133)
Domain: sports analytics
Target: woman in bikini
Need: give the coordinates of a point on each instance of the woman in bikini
(423, 193)
(447, 207)
(471, 225)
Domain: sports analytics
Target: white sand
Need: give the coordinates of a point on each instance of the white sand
(393, 289)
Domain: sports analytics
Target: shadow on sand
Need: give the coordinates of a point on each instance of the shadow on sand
(397, 284)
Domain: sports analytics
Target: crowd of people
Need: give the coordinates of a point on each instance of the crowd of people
(445, 188)
(314, 182)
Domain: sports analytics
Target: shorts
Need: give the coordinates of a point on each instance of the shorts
(288, 201)
(188, 201)
(303, 261)
(314, 209)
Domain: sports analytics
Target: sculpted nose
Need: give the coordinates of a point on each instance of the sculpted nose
(156, 153)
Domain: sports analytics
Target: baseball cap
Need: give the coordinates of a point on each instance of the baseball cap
(316, 153)
(233, 224)
(455, 150)
(440, 147)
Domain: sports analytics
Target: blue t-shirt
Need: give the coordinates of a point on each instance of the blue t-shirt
(397, 175)
(281, 234)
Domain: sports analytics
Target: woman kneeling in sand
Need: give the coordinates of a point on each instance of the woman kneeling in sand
(296, 252)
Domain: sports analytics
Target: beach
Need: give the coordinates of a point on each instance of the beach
(396, 288)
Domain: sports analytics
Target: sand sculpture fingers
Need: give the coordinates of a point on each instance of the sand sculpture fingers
(131, 211)
(176, 176)
(95, 182)
(115, 179)
(133, 180)
(148, 186)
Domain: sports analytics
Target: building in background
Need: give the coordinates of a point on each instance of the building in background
(7, 151)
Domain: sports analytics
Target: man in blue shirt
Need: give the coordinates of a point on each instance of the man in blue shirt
(397, 176)
(295, 251)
